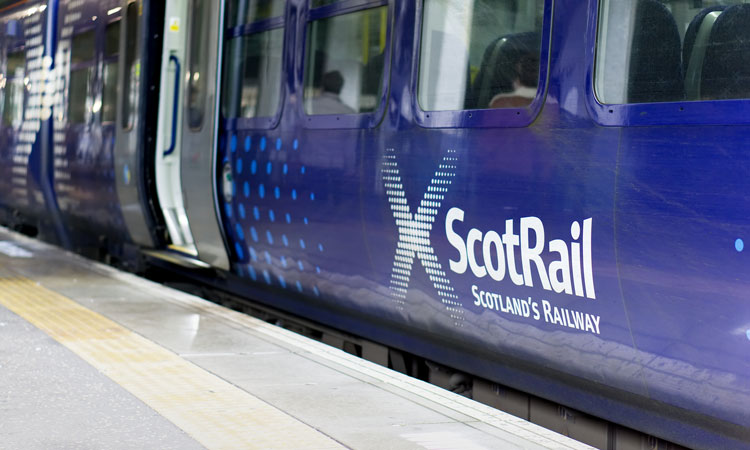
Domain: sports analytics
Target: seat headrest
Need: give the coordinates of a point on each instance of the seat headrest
(692, 32)
(726, 66)
(507, 58)
(655, 73)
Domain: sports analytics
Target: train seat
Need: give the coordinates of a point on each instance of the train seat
(694, 48)
(655, 73)
(508, 61)
(726, 65)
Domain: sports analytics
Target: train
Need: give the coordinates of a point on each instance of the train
(548, 194)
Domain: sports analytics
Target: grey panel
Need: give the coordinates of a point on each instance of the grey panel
(199, 136)
(127, 159)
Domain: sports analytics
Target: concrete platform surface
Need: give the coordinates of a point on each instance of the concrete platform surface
(91, 357)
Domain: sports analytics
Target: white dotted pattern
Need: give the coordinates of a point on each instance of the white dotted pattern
(35, 82)
(414, 232)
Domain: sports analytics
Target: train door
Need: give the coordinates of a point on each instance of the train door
(136, 120)
(187, 130)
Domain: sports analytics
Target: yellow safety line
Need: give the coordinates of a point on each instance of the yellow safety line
(211, 410)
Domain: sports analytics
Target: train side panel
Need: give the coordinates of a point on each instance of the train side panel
(87, 64)
(25, 193)
(505, 249)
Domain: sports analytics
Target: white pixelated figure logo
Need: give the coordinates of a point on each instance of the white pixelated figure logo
(414, 232)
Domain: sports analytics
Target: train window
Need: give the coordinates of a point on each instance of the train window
(80, 89)
(259, 67)
(479, 54)
(14, 88)
(703, 51)
(240, 12)
(344, 62)
(132, 67)
(196, 96)
(109, 90)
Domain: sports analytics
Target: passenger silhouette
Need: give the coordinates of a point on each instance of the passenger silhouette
(524, 85)
(329, 102)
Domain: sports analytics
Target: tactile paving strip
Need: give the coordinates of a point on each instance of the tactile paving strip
(212, 411)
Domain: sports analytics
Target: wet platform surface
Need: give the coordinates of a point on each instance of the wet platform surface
(91, 357)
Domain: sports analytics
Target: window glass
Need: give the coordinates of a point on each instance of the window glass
(80, 89)
(198, 64)
(344, 62)
(240, 12)
(703, 50)
(478, 54)
(109, 90)
(319, 3)
(82, 48)
(253, 84)
(132, 66)
(14, 88)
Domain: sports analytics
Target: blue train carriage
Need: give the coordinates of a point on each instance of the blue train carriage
(158, 142)
(108, 71)
(119, 134)
(26, 51)
(532, 191)
(88, 36)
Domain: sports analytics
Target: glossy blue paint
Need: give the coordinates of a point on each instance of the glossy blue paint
(84, 158)
(25, 168)
(663, 203)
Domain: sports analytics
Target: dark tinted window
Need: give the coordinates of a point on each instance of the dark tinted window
(478, 54)
(132, 70)
(80, 89)
(240, 12)
(198, 64)
(703, 51)
(109, 89)
(14, 88)
(256, 59)
(345, 59)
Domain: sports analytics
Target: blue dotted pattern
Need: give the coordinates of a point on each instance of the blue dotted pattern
(272, 241)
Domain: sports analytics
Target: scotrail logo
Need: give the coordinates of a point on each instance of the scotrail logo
(569, 272)
(414, 232)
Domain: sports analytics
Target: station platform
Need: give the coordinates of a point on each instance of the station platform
(91, 357)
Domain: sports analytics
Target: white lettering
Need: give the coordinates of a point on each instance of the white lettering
(529, 254)
(511, 242)
(569, 271)
(560, 283)
(493, 239)
(455, 240)
(471, 240)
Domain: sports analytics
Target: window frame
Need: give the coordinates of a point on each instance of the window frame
(364, 120)
(239, 32)
(484, 118)
(683, 112)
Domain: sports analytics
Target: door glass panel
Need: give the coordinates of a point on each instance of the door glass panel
(260, 74)
(81, 89)
(109, 90)
(14, 88)
(132, 66)
(240, 12)
(196, 96)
